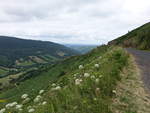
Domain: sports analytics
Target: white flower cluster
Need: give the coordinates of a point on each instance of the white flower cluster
(78, 81)
(81, 67)
(86, 75)
(56, 88)
(37, 99)
(41, 92)
(96, 65)
(2, 110)
(12, 105)
(24, 96)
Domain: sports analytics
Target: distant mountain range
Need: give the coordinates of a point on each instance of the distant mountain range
(81, 48)
(138, 38)
(21, 52)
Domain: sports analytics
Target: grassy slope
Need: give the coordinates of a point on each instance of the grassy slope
(72, 98)
(138, 38)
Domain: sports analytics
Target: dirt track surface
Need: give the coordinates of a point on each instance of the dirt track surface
(143, 60)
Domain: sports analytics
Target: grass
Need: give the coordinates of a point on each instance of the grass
(93, 95)
(2, 71)
(131, 96)
(138, 38)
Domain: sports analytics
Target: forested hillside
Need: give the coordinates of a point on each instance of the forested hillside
(14, 51)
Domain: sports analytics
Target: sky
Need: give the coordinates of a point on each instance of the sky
(72, 21)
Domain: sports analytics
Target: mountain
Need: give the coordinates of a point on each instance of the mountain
(81, 48)
(21, 52)
(138, 38)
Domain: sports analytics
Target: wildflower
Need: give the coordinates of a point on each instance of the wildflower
(92, 77)
(20, 109)
(7, 106)
(58, 88)
(41, 91)
(31, 110)
(78, 81)
(53, 85)
(95, 99)
(81, 67)
(86, 75)
(96, 65)
(29, 107)
(44, 103)
(24, 96)
(97, 80)
(100, 76)
(13, 104)
(75, 75)
(97, 89)
(114, 91)
(19, 106)
(26, 100)
(37, 99)
(2, 110)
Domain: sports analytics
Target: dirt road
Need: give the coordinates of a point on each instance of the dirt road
(143, 61)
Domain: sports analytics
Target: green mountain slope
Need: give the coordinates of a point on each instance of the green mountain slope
(80, 84)
(20, 52)
(138, 38)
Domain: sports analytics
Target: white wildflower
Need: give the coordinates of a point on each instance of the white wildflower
(81, 67)
(100, 76)
(114, 91)
(37, 99)
(2, 110)
(31, 110)
(24, 96)
(92, 77)
(53, 85)
(13, 104)
(20, 109)
(86, 74)
(26, 100)
(41, 91)
(19, 106)
(97, 89)
(8, 106)
(75, 75)
(44, 103)
(58, 88)
(97, 80)
(95, 99)
(96, 65)
(38, 96)
(78, 81)
(29, 107)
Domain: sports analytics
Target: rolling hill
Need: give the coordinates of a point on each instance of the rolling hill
(138, 38)
(21, 52)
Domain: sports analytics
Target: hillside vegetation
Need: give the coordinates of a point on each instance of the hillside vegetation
(80, 84)
(138, 38)
(20, 52)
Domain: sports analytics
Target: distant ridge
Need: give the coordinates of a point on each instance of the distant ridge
(13, 49)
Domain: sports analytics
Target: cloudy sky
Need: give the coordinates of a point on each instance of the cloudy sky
(72, 21)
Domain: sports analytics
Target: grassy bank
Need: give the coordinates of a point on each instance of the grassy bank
(68, 89)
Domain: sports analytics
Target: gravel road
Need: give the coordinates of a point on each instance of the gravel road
(143, 61)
